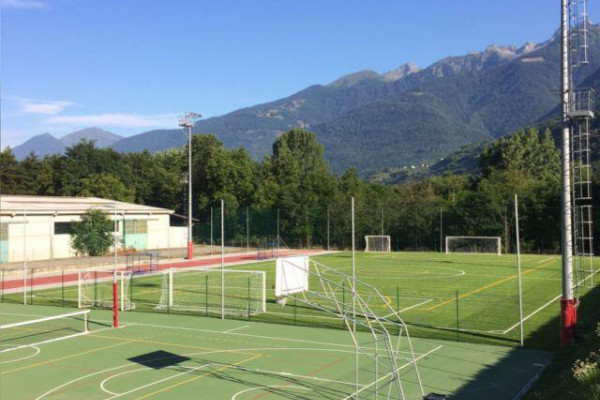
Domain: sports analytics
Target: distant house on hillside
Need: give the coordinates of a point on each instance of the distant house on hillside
(40, 226)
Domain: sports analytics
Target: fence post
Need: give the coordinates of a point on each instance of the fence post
(249, 311)
(62, 287)
(457, 318)
(32, 286)
(295, 317)
(206, 294)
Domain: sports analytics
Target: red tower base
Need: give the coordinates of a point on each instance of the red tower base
(568, 321)
(190, 250)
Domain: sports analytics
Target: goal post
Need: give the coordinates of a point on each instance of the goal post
(96, 289)
(200, 291)
(474, 244)
(378, 243)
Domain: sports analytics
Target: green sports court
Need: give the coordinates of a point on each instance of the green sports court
(461, 311)
(154, 356)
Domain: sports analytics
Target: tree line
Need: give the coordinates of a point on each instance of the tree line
(314, 203)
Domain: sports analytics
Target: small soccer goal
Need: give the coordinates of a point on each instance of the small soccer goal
(95, 289)
(291, 275)
(201, 291)
(474, 244)
(378, 243)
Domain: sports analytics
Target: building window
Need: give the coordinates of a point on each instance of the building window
(134, 226)
(63, 228)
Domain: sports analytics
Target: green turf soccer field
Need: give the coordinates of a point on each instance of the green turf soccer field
(159, 356)
(465, 297)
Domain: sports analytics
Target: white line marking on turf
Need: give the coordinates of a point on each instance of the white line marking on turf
(532, 314)
(154, 382)
(546, 259)
(234, 397)
(235, 329)
(417, 305)
(37, 351)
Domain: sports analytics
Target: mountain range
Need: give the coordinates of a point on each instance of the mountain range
(45, 143)
(406, 116)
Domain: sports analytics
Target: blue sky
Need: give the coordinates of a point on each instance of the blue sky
(129, 66)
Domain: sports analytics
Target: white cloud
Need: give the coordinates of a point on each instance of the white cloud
(44, 107)
(22, 4)
(118, 120)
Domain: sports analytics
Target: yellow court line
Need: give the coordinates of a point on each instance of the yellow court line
(488, 286)
(66, 357)
(176, 345)
(199, 377)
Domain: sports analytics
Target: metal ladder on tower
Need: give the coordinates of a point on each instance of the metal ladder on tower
(582, 202)
(580, 112)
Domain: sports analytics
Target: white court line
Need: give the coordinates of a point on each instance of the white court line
(235, 329)
(315, 378)
(353, 395)
(37, 351)
(251, 335)
(153, 383)
(246, 350)
(269, 387)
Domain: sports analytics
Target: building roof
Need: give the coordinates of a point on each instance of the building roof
(44, 205)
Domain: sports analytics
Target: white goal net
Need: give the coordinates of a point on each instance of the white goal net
(200, 291)
(291, 275)
(474, 244)
(380, 243)
(95, 289)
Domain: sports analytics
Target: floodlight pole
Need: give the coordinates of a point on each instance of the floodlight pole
(568, 301)
(187, 121)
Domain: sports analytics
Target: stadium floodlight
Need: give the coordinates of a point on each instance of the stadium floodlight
(188, 120)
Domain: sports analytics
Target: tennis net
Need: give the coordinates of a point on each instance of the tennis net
(39, 331)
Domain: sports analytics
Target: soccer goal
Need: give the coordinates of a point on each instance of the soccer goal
(379, 243)
(291, 275)
(474, 244)
(200, 291)
(95, 289)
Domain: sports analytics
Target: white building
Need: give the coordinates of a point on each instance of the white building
(40, 226)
